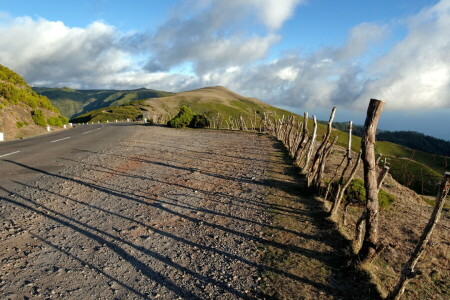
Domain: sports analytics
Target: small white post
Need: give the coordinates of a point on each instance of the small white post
(48, 128)
(128, 120)
(98, 122)
(2, 138)
(107, 121)
(145, 120)
(116, 121)
(65, 126)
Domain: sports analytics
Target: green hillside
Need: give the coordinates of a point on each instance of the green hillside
(72, 102)
(415, 169)
(23, 112)
(215, 102)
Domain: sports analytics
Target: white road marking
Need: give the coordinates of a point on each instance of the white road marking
(91, 130)
(9, 153)
(60, 139)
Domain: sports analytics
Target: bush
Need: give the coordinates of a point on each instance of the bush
(356, 191)
(38, 118)
(57, 121)
(182, 119)
(199, 121)
(19, 124)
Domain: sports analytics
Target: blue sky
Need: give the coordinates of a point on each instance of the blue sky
(296, 54)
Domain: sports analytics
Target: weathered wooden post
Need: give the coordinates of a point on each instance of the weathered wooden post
(370, 242)
(311, 145)
(321, 149)
(347, 157)
(408, 271)
(341, 190)
(303, 139)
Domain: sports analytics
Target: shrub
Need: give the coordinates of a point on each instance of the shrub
(199, 121)
(57, 121)
(38, 118)
(19, 124)
(182, 119)
(356, 191)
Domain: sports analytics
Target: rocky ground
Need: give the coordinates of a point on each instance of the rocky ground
(175, 214)
(165, 214)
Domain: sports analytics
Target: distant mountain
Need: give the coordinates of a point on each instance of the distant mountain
(223, 106)
(22, 111)
(417, 141)
(72, 102)
(217, 103)
(411, 139)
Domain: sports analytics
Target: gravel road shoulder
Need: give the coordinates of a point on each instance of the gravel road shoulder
(168, 214)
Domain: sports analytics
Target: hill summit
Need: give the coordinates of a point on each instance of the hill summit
(23, 112)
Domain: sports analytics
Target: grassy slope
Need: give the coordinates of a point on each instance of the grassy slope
(18, 101)
(77, 102)
(213, 100)
(407, 166)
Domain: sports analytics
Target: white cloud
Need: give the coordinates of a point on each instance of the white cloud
(416, 72)
(216, 34)
(50, 52)
(225, 42)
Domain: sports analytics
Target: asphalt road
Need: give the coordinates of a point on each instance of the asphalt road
(51, 152)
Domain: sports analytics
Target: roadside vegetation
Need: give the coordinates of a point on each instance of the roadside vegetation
(103, 115)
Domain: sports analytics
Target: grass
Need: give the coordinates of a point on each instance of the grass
(78, 102)
(111, 114)
(220, 103)
(314, 253)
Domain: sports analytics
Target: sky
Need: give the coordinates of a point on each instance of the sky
(300, 55)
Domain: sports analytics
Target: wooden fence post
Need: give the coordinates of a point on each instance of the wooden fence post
(408, 269)
(301, 145)
(347, 157)
(311, 145)
(342, 188)
(320, 150)
(370, 242)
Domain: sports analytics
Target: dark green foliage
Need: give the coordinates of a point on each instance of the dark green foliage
(14, 90)
(8, 75)
(38, 118)
(356, 191)
(411, 139)
(415, 175)
(416, 140)
(111, 114)
(182, 119)
(73, 103)
(385, 199)
(199, 121)
(19, 124)
(57, 121)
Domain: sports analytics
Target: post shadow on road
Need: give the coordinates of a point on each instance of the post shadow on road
(133, 260)
(263, 206)
(305, 252)
(162, 205)
(198, 245)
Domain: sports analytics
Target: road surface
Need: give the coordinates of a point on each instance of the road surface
(52, 152)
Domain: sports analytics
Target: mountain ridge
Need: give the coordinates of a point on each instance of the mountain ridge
(74, 102)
